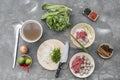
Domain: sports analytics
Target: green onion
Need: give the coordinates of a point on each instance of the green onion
(56, 55)
(85, 50)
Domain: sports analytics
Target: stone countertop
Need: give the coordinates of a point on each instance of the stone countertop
(107, 29)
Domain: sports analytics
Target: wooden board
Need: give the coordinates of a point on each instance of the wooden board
(44, 51)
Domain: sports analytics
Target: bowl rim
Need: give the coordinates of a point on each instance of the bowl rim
(27, 22)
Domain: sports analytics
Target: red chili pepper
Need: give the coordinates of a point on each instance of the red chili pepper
(25, 67)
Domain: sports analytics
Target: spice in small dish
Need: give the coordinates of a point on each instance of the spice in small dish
(91, 14)
(105, 50)
(87, 11)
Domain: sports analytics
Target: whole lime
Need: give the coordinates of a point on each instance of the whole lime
(21, 60)
(28, 61)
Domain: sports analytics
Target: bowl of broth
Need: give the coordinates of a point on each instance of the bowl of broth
(31, 31)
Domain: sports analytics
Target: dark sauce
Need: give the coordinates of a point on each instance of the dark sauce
(87, 11)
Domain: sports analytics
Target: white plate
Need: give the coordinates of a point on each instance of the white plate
(79, 26)
(43, 53)
(91, 60)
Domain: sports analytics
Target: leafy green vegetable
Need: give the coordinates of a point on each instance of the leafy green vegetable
(56, 55)
(57, 17)
(53, 7)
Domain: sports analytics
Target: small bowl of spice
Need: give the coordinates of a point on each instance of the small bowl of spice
(91, 14)
(105, 50)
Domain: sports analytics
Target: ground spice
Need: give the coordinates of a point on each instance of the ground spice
(93, 15)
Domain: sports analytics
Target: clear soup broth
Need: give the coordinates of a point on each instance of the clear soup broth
(31, 31)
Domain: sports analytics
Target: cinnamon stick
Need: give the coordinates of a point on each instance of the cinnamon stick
(103, 52)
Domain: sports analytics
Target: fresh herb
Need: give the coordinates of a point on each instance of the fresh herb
(56, 55)
(87, 30)
(79, 44)
(57, 17)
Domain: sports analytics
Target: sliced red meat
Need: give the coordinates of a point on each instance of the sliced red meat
(81, 35)
(76, 61)
(76, 64)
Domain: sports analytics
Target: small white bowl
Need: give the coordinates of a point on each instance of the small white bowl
(27, 22)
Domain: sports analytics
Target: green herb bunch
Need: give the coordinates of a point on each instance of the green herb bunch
(57, 17)
(56, 55)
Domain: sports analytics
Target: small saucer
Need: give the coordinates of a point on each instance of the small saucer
(109, 46)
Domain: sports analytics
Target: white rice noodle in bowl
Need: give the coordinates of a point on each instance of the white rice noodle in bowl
(89, 32)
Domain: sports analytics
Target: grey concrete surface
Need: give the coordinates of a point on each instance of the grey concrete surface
(107, 29)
